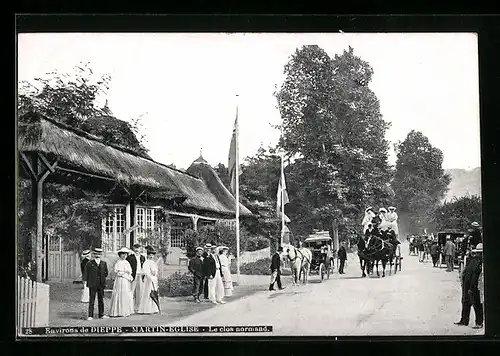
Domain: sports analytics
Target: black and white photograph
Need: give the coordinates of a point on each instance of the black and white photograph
(248, 184)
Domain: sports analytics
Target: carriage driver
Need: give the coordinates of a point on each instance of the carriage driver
(325, 252)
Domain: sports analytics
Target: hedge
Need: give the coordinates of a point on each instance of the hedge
(176, 285)
(256, 243)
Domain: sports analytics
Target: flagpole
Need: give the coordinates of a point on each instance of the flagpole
(282, 194)
(237, 197)
(282, 202)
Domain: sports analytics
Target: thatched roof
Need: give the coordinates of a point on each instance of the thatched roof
(222, 197)
(79, 150)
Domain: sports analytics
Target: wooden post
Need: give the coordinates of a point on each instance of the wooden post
(132, 221)
(128, 224)
(194, 219)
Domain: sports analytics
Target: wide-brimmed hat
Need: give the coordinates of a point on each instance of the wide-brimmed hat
(209, 245)
(97, 250)
(123, 250)
(478, 248)
(150, 251)
(223, 248)
(382, 210)
(199, 249)
(85, 253)
(392, 208)
(369, 208)
(475, 224)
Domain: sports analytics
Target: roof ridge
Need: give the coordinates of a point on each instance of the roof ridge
(89, 136)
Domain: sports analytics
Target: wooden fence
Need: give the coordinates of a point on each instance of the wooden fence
(32, 303)
(252, 256)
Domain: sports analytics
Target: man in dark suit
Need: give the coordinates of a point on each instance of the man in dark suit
(196, 268)
(94, 277)
(276, 270)
(205, 255)
(342, 255)
(470, 288)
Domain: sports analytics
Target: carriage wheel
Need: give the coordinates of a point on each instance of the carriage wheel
(322, 271)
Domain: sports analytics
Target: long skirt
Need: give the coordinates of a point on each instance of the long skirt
(122, 302)
(136, 287)
(216, 288)
(147, 304)
(85, 295)
(228, 282)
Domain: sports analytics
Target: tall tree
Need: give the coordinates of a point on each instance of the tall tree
(420, 182)
(334, 130)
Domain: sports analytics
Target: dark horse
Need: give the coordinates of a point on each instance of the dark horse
(373, 251)
(364, 262)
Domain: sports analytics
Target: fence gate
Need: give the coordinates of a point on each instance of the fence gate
(32, 303)
(62, 264)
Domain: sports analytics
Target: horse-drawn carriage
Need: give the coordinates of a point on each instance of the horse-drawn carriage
(321, 246)
(458, 238)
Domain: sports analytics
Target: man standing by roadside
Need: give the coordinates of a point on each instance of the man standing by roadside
(435, 253)
(196, 268)
(205, 255)
(342, 255)
(470, 288)
(276, 270)
(449, 253)
(94, 277)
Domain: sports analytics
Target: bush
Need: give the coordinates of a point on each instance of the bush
(259, 267)
(176, 285)
(257, 243)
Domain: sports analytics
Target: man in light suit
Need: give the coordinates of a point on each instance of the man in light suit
(94, 277)
(136, 261)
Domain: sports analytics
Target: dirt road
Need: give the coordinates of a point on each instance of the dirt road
(419, 300)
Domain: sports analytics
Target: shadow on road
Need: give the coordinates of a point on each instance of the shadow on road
(275, 295)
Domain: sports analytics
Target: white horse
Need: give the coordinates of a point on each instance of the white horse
(300, 262)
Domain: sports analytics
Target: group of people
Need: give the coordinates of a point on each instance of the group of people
(211, 273)
(135, 288)
(385, 220)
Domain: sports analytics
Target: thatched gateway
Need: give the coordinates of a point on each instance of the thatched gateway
(137, 188)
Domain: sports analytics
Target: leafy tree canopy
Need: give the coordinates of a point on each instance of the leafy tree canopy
(420, 182)
(458, 213)
(334, 134)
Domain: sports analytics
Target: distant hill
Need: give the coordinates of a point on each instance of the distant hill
(464, 182)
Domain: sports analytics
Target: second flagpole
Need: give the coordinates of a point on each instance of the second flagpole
(237, 186)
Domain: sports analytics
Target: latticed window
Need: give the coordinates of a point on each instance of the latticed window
(145, 219)
(113, 236)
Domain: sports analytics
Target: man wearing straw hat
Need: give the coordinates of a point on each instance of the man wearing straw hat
(214, 273)
(94, 277)
(470, 288)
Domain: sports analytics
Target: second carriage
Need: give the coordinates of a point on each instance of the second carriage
(323, 253)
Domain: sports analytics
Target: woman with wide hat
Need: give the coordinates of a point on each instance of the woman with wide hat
(149, 303)
(122, 302)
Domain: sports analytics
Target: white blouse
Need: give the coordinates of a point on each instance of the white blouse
(122, 269)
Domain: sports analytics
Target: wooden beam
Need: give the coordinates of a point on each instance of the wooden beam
(28, 165)
(126, 190)
(85, 174)
(141, 193)
(50, 167)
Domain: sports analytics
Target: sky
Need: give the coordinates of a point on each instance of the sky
(185, 85)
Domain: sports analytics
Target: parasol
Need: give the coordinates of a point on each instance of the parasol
(154, 295)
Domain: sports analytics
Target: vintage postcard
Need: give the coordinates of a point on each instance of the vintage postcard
(270, 184)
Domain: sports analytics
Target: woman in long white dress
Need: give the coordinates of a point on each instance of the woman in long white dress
(122, 301)
(382, 215)
(150, 273)
(392, 219)
(226, 272)
(369, 215)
